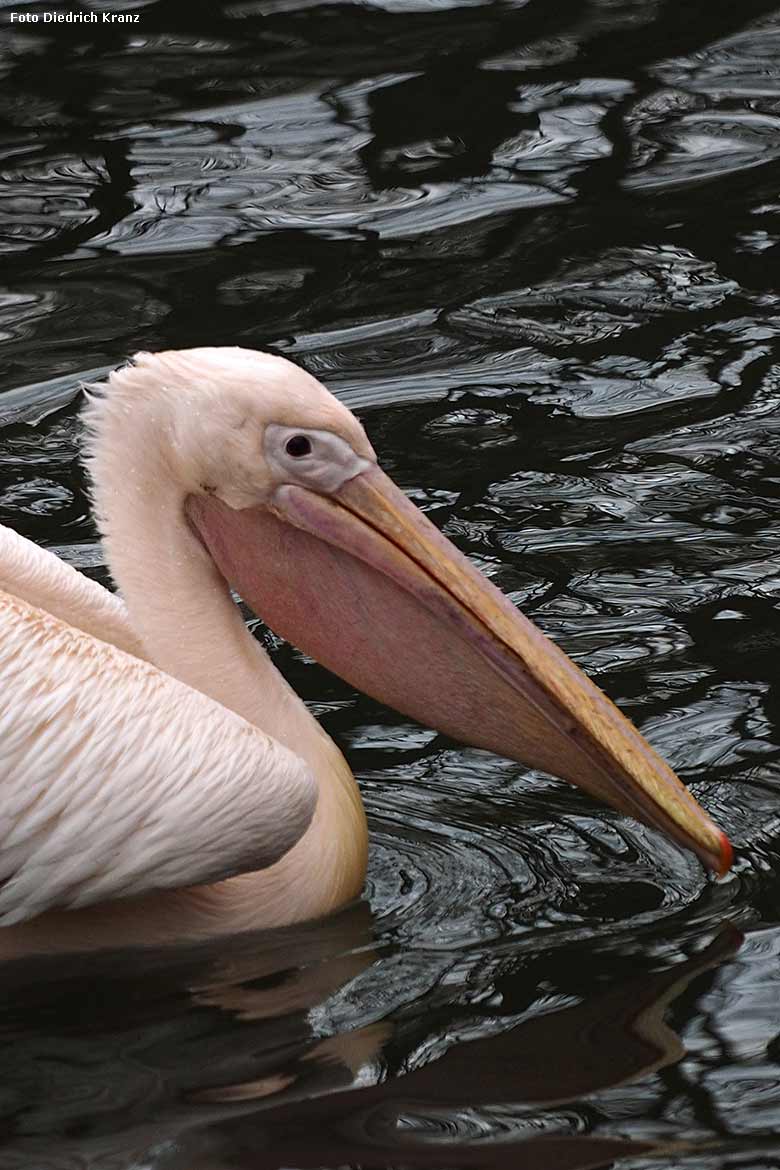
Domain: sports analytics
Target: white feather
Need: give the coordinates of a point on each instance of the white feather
(117, 780)
(45, 581)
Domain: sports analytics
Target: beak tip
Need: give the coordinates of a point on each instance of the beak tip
(724, 856)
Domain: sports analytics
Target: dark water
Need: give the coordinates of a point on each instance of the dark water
(536, 246)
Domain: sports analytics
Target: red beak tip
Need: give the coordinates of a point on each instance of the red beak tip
(725, 855)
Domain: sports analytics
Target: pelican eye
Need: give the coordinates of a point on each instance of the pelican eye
(298, 446)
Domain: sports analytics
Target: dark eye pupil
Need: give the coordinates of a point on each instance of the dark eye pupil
(298, 445)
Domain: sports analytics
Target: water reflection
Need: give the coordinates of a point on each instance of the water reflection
(152, 1049)
(534, 246)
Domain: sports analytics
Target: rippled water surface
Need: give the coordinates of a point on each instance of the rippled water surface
(537, 247)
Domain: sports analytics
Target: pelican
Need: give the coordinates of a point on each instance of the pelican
(150, 752)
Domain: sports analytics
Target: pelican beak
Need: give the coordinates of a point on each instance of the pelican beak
(361, 580)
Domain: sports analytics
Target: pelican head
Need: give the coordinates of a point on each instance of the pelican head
(283, 489)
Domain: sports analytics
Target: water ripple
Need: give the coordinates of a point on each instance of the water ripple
(536, 249)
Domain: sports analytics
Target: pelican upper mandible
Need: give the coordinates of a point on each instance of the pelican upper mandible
(149, 749)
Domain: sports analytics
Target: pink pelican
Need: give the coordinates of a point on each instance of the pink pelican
(151, 752)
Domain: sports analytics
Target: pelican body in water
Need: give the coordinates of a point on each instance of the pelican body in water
(150, 751)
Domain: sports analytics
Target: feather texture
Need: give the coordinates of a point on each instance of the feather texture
(116, 779)
(39, 577)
